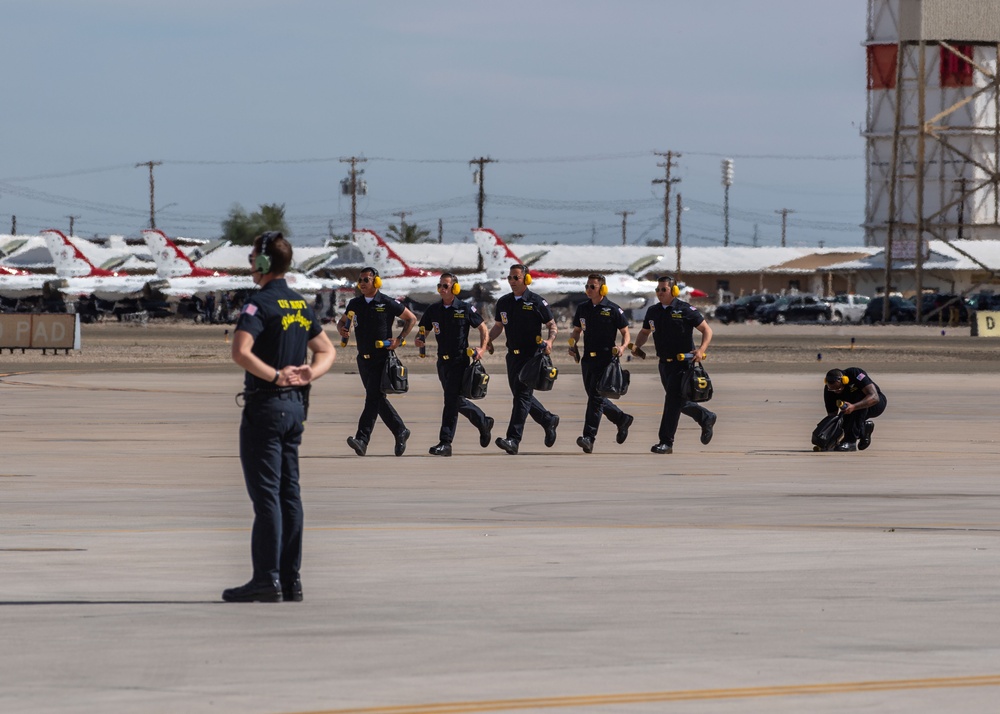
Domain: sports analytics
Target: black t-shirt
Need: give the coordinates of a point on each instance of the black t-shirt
(281, 323)
(853, 392)
(523, 319)
(601, 324)
(672, 327)
(450, 326)
(373, 320)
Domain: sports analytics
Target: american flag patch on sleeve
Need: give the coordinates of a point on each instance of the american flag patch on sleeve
(250, 309)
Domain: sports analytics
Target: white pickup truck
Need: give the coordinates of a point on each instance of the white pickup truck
(847, 308)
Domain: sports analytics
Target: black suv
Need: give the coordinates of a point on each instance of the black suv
(743, 308)
(900, 310)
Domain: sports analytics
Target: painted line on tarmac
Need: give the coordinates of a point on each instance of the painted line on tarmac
(683, 695)
(955, 527)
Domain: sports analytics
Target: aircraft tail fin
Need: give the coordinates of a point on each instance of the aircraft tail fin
(69, 261)
(498, 256)
(171, 262)
(382, 257)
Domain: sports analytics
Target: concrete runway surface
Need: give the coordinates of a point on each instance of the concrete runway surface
(751, 575)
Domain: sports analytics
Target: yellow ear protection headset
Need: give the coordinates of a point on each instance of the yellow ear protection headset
(675, 289)
(377, 281)
(832, 378)
(604, 289)
(455, 287)
(527, 277)
(263, 262)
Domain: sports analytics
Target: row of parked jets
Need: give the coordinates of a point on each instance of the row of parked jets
(177, 276)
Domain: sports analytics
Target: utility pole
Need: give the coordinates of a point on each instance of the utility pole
(667, 181)
(679, 211)
(784, 222)
(727, 181)
(13, 225)
(961, 207)
(72, 220)
(152, 202)
(350, 186)
(440, 231)
(478, 178)
(624, 215)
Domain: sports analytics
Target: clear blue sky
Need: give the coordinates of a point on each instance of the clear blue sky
(254, 102)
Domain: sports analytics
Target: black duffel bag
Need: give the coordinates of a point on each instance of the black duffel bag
(538, 372)
(614, 382)
(394, 378)
(696, 385)
(475, 380)
(828, 433)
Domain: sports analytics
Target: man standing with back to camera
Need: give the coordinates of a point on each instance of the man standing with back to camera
(600, 321)
(449, 321)
(672, 323)
(522, 314)
(273, 332)
(374, 316)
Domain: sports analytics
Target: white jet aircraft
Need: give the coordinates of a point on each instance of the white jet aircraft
(626, 290)
(77, 276)
(400, 279)
(180, 277)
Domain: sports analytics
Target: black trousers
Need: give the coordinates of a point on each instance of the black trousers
(525, 404)
(597, 405)
(270, 435)
(674, 404)
(450, 372)
(376, 403)
(854, 421)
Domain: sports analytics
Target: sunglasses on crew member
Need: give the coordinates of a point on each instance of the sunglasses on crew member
(591, 286)
(444, 286)
(513, 278)
(663, 290)
(365, 279)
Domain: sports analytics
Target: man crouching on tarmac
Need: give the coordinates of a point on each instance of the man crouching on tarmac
(859, 400)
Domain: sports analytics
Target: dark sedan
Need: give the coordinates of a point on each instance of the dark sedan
(742, 309)
(795, 308)
(900, 310)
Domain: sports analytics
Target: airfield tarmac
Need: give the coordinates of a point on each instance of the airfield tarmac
(750, 575)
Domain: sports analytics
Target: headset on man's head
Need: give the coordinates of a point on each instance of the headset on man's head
(675, 289)
(377, 282)
(263, 262)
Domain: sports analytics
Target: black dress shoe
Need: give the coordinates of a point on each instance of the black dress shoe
(846, 446)
(623, 428)
(254, 591)
(662, 448)
(866, 435)
(585, 443)
(550, 431)
(706, 428)
(486, 432)
(292, 592)
(360, 447)
(441, 449)
(508, 445)
(401, 438)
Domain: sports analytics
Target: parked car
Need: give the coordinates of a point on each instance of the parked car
(933, 301)
(900, 310)
(848, 308)
(743, 308)
(795, 308)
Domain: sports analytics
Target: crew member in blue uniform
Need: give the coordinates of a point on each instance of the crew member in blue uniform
(672, 323)
(600, 321)
(274, 330)
(522, 314)
(859, 400)
(373, 316)
(450, 321)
